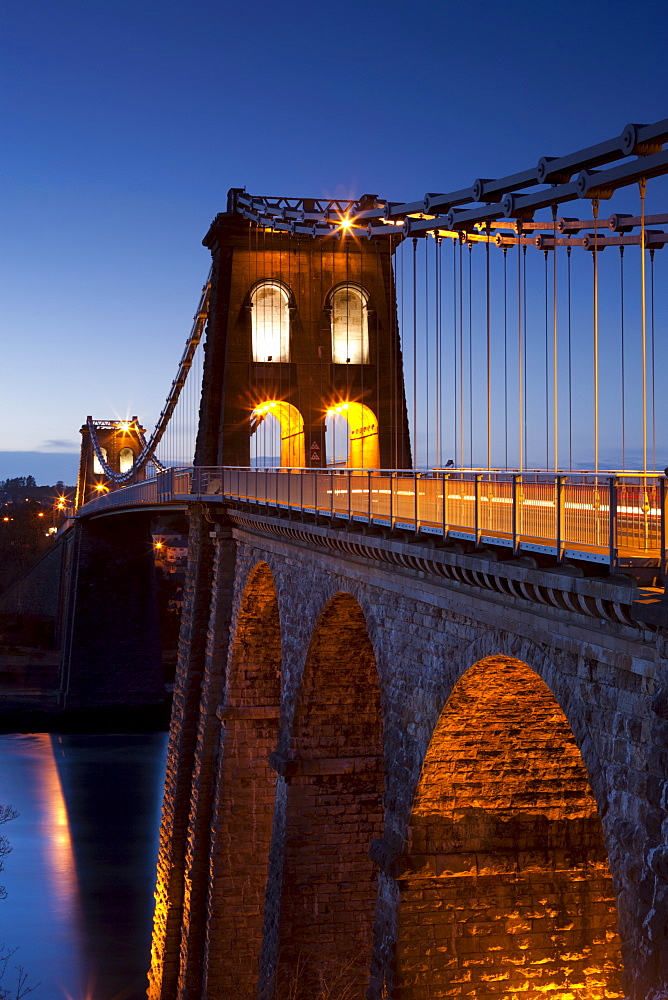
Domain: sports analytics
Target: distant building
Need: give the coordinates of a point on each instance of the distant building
(171, 551)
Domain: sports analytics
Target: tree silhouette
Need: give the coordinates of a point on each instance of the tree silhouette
(21, 989)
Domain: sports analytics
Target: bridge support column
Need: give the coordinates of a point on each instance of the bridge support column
(111, 644)
(181, 896)
(245, 793)
(322, 885)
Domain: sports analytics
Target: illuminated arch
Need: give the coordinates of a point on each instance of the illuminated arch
(270, 321)
(246, 789)
(350, 324)
(126, 459)
(292, 430)
(363, 446)
(333, 812)
(505, 846)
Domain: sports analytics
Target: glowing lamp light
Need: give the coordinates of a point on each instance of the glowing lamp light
(100, 488)
(346, 223)
(158, 546)
(264, 408)
(125, 426)
(337, 409)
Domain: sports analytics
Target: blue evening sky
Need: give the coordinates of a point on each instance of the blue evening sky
(125, 123)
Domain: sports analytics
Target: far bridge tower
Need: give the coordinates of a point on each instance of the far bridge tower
(119, 442)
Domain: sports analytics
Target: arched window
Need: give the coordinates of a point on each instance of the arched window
(97, 468)
(126, 459)
(350, 325)
(270, 321)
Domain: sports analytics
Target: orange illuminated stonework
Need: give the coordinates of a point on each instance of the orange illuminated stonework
(380, 786)
(245, 806)
(506, 890)
(333, 767)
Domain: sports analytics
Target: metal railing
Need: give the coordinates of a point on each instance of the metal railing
(617, 519)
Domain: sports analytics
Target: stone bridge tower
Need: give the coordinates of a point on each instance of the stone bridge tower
(120, 443)
(301, 327)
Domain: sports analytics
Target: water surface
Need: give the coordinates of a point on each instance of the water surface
(81, 874)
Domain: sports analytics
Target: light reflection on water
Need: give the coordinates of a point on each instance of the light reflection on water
(81, 874)
(54, 827)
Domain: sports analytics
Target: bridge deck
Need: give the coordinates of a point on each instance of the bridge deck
(617, 520)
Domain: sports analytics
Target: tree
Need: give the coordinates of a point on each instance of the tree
(13, 486)
(21, 988)
(23, 537)
(6, 814)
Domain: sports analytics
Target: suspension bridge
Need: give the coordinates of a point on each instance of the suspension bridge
(418, 738)
(519, 373)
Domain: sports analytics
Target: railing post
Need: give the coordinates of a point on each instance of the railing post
(416, 505)
(444, 503)
(560, 518)
(515, 518)
(646, 509)
(391, 500)
(662, 529)
(476, 513)
(350, 497)
(331, 494)
(369, 505)
(301, 490)
(612, 507)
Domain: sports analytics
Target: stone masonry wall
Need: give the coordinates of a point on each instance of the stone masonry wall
(111, 641)
(173, 969)
(423, 636)
(507, 885)
(246, 788)
(334, 809)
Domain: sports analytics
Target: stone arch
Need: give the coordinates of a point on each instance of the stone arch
(334, 776)
(358, 422)
(556, 669)
(291, 430)
(246, 786)
(505, 887)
